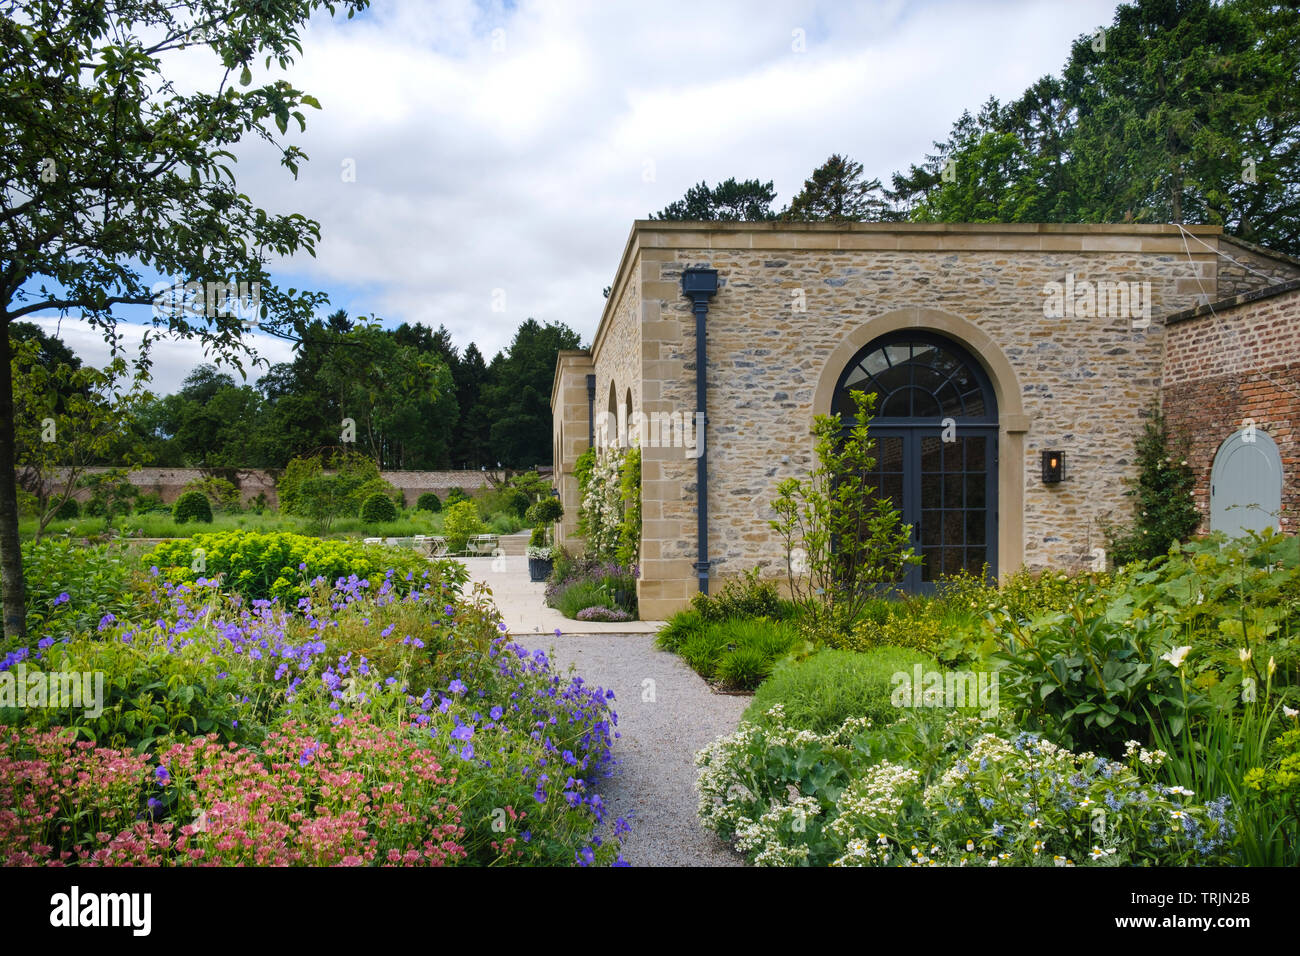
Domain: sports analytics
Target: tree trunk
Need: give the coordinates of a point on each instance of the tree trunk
(12, 590)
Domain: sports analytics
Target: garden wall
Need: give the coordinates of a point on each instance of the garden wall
(168, 482)
(1234, 360)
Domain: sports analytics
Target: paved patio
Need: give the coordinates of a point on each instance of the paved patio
(520, 601)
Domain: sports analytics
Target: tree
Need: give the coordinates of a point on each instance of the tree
(518, 399)
(109, 172)
(843, 542)
(66, 418)
(729, 201)
(471, 438)
(1190, 112)
(837, 192)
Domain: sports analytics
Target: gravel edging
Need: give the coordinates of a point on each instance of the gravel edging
(654, 782)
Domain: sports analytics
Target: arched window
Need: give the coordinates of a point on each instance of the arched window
(611, 422)
(936, 431)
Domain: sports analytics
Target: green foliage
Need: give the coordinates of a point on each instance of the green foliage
(262, 566)
(746, 596)
(852, 542)
(628, 550)
(306, 490)
(837, 192)
(455, 496)
(537, 538)
(66, 417)
(930, 790)
(68, 510)
(825, 689)
(1275, 788)
(728, 201)
(1112, 140)
(925, 632)
(543, 514)
(222, 494)
(111, 493)
(96, 580)
(428, 501)
(192, 506)
(583, 594)
(378, 507)
(1166, 509)
(739, 652)
(460, 523)
(582, 468)
(680, 628)
(152, 694)
(516, 502)
(1092, 674)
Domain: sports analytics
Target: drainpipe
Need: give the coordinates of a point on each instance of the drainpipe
(591, 410)
(699, 285)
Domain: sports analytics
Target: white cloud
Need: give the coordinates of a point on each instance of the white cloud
(172, 358)
(522, 168)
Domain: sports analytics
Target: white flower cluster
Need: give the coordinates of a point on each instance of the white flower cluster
(602, 505)
(874, 797)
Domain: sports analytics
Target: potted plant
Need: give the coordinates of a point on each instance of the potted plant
(541, 554)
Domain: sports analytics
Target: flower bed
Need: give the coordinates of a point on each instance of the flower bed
(384, 722)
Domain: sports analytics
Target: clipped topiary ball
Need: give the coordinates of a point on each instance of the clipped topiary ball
(192, 506)
(378, 508)
(428, 502)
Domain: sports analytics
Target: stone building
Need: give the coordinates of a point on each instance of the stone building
(993, 349)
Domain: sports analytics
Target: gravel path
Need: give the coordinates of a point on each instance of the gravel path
(654, 784)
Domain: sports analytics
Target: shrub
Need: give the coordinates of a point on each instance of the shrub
(925, 633)
(679, 629)
(964, 794)
(222, 494)
(428, 502)
(748, 596)
(516, 502)
(378, 508)
(192, 506)
(739, 652)
(460, 523)
(583, 595)
(70, 587)
(825, 689)
(597, 582)
(279, 564)
(68, 511)
(1166, 509)
(455, 496)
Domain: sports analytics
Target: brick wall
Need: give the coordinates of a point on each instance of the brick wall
(1229, 363)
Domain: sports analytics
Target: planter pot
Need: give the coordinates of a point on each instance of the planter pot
(539, 569)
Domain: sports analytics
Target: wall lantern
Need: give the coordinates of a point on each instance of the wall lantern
(1052, 467)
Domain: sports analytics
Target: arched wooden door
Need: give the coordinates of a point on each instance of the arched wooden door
(936, 432)
(1246, 484)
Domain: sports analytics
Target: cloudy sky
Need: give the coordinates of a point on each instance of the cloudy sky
(502, 151)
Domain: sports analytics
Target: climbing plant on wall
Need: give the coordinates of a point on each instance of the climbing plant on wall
(609, 513)
(1165, 508)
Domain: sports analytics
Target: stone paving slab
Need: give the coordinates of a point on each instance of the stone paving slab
(520, 601)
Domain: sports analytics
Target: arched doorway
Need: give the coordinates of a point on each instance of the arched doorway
(1246, 484)
(936, 432)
